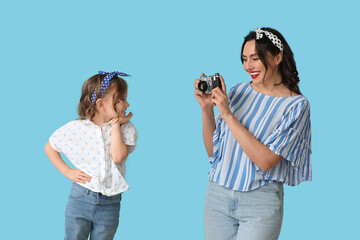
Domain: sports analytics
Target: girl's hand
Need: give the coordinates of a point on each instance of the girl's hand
(220, 99)
(203, 99)
(76, 175)
(121, 119)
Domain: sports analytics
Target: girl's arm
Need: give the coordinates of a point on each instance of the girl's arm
(208, 120)
(75, 175)
(118, 149)
(259, 153)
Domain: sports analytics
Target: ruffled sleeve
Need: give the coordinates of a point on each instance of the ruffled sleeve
(220, 131)
(291, 139)
(216, 139)
(130, 135)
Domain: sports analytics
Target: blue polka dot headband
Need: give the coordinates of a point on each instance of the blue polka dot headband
(106, 82)
(273, 38)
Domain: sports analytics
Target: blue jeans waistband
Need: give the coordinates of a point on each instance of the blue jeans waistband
(98, 195)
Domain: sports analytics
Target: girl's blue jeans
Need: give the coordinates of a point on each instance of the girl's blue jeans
(254, 215)
(90, 213)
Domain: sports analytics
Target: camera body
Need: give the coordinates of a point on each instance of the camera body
(207, 84)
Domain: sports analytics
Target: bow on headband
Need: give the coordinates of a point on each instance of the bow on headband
(273, 38)
(106, 82)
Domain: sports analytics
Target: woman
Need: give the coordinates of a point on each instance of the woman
(260, 140)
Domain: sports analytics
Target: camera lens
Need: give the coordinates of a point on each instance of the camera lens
(202, 86)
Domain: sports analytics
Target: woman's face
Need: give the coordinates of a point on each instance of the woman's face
(253, 65)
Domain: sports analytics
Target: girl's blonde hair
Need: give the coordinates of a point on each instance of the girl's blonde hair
(86, 108)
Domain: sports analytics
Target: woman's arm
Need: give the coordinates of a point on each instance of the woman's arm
(75, 175)
(259, 153)
(208, 123)
(208, 120)
(118, 149)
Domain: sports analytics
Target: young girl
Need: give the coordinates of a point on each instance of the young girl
(97, 144)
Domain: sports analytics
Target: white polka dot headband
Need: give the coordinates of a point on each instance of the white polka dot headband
(273, 38)
(106, 82)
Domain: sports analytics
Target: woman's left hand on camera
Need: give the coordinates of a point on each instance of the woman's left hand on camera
(220, 99)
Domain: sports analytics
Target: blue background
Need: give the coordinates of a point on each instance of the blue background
(48, 49)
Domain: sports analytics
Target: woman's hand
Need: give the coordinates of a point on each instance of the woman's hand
(220, 99)
(203, 99)
(76, 175)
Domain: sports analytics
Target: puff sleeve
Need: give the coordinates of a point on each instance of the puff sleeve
(130, 135)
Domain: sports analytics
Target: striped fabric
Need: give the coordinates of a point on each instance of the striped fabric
(281, 123)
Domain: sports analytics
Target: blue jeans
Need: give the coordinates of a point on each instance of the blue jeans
(88, 212)
(254, 215)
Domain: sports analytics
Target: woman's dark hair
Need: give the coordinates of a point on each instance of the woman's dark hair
(287, 67)
(86, 108)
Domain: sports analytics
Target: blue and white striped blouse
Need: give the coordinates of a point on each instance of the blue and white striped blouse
(281, 123)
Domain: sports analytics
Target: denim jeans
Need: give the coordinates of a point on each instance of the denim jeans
(254, 215)
(88, 212)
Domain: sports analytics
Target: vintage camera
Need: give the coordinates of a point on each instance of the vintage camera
(207, 84)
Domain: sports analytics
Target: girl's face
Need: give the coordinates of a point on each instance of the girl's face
(253, 65)
(120, 106)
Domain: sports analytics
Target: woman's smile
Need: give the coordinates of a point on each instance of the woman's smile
(254, 74)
